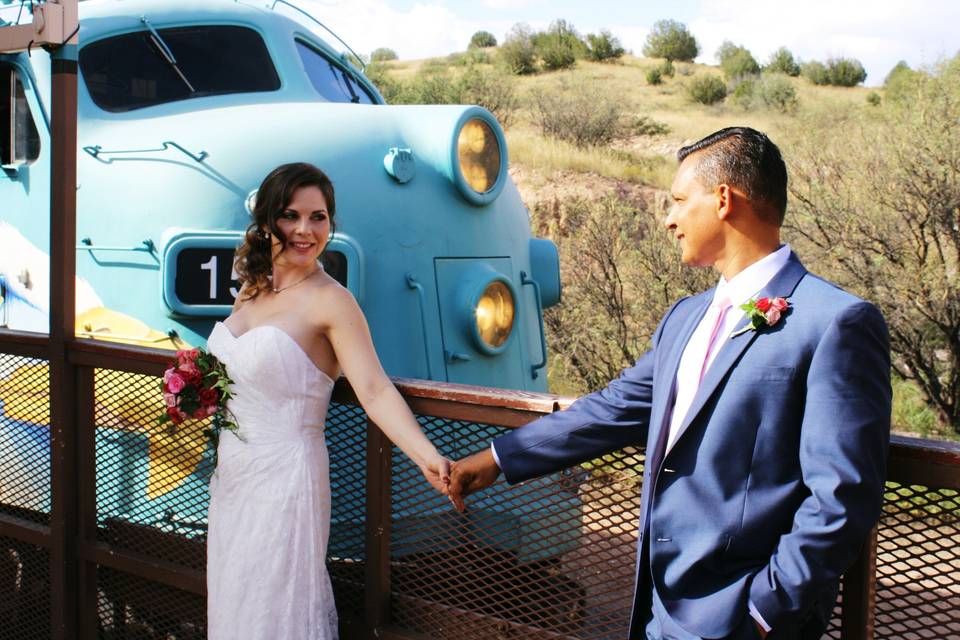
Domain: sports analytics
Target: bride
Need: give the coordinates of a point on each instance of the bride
(292, 332)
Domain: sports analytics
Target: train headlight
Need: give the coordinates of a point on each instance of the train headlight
(479, 157)
(493, 317)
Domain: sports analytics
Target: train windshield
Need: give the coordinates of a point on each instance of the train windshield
(332, 82)
(134, 70)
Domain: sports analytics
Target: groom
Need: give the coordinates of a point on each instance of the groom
(766, 430)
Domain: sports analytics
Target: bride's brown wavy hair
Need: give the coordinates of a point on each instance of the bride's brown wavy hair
(254, 262)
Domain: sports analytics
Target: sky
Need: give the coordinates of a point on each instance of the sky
(879, 33)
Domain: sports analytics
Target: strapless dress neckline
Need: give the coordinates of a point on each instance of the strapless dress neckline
(290, 338)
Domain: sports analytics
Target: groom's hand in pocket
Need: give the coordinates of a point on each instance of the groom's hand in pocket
(470, 475)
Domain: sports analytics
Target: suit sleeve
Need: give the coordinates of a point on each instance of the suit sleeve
(844, 438)
(598, 423)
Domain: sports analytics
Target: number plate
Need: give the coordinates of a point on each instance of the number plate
(198, 276)
(197, 272)
(205, 276)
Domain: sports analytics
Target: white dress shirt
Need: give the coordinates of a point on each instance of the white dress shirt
(741, 288)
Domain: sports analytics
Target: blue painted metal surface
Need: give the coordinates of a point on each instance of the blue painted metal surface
(157, 182)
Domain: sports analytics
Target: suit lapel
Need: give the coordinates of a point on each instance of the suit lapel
(782, 285)
(667, 378)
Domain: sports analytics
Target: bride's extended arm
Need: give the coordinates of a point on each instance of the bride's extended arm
(350, 337)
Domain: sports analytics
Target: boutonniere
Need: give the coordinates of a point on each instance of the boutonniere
(764, 312)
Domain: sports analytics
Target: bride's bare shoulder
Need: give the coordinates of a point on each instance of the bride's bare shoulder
(330, 300)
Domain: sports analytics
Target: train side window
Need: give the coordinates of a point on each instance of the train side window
(19, 139)
(329, 79)
(132, 70)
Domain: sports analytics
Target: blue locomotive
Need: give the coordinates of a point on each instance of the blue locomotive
(183, 107)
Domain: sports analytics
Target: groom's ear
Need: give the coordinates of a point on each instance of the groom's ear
(724, 196)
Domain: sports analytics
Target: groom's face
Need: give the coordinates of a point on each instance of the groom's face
(694, 220)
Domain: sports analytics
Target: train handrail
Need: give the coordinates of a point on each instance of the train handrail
(524, 280)
(414, 284)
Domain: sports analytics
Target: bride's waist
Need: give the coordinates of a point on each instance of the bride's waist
(263, 433)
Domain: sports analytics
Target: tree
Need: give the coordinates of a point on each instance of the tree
(901, 82)
(671, 40)
(736, 61)
(603, 46)
(875, 206)
(383, 54)
(517, 54)
(559, 46)
(815, 72)
(845, 72)
(481, 40)
(782, 61)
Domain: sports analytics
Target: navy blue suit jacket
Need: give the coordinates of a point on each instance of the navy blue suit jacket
(777, 474)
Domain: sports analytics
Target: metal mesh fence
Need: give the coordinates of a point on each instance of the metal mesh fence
(24, 591)
(553, 556)
(151, 500)
(346, 430)
(918, 564)
(24, 438)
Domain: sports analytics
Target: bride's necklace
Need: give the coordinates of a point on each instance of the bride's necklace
(312, 273)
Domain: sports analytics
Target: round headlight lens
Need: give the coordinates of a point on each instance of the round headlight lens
(494, 314)
(478, 151)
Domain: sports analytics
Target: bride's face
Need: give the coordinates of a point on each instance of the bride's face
(306, 224)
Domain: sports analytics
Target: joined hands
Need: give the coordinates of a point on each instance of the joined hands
(471, 474)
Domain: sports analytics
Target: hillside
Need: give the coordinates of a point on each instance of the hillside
(873, 193)
(545, 168)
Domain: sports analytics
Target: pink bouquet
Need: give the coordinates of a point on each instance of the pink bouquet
(196, 386)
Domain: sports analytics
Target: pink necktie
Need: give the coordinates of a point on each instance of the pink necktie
(718, 308)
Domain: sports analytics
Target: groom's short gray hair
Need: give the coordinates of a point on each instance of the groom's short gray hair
(744, 158)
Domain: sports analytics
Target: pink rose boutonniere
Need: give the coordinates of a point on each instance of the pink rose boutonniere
(764, 312)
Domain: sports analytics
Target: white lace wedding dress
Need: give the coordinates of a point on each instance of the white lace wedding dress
(269, 517)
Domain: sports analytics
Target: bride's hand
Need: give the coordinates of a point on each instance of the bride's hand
(436, 470)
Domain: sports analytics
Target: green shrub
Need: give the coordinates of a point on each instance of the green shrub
(901, 82)
(743, 93)
(736, 61)
(657, 73)
(782, 61)
(647, 126)
(603, 46)
(469, 57)
(559, 46)
(845, 72)
(481, 40)
(517, 55)
(815, 72)
(706, 89)
(873, 99)
(580, 113)
(671, 40)
(775, 91)
(666, 69)
(383, 54)
(491, 90)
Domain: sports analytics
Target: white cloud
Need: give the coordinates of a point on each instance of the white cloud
(425, 29)
(878, 33)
